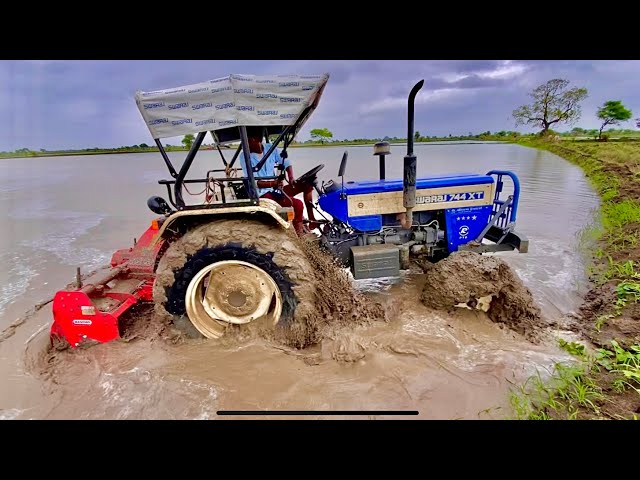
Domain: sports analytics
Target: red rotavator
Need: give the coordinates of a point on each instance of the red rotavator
(91, 311)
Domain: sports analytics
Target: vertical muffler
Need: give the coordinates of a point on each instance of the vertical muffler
(410, 161)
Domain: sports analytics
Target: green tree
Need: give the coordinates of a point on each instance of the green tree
(612, 113)
(552, 103)
(187, 141)
(322, 134)
(144, 145)
(416, 136)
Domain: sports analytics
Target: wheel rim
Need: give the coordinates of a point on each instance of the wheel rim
(232, 292)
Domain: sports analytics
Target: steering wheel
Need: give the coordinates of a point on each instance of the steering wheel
(310, 176)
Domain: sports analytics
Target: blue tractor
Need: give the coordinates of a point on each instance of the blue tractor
(228, 257)
(377, 226)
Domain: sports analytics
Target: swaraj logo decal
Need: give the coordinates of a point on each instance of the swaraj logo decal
(228, 122)
(265, 81)
(241, 78)
(463, 231)
(169, 92)
(243, 90)
(149, 106)
(288, 84)
(267, 112)
(288, 115)
(290, 100)
(205, 122)
(310, 77)
(200, 106)
(266, 95)
(307, 88)
(155, 92)
(246, 108)
(181, 122)
(177, 106)
(158, 121)
(225, 105)
(450, 197)
(218, 80)
(198, 90)
(221, 89)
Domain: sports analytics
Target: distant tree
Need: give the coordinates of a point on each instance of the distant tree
(321, 134)
(612, 113)
(144, 145)
(42, 150)
(552, 103)
(187, 141)
(416, 136)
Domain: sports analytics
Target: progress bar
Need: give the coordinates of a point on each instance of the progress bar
(317, 412)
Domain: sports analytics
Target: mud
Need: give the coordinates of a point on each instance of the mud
(324, 295)
(446, 366)
(466, 278)
(597, 310)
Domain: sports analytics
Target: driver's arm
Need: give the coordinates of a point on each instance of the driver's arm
(288, 168)
(267, 183)
(290, 176)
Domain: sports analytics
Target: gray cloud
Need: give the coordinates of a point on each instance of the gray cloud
(80, 104)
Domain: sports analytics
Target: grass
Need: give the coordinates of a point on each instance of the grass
(574, 391)
(567, 392)
(585, 387)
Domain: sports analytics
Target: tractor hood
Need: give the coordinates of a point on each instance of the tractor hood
(222, 105)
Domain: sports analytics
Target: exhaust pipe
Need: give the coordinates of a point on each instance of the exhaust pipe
(410, 161)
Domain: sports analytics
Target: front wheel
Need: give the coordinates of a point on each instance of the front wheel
(232, 273)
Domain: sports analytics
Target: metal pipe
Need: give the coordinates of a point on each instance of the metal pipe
(221, 155)
(382, 167)
(252, 187)
(235, 156)
(165, 157)
(100, 281)
(185, 168)
(410, 162)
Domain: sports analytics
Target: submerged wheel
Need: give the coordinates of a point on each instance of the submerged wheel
(231, 291)
(231, 273)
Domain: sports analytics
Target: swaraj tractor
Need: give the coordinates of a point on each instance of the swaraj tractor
(231, 258)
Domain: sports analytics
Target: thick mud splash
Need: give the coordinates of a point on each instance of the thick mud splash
(466, 278)
(323, 293)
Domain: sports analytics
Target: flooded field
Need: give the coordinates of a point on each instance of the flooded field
(60, 213)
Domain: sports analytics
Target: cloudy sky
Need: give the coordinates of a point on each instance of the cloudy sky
(89, 103)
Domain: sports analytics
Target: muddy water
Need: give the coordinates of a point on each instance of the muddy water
(60, 213)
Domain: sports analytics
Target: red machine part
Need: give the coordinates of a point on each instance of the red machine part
(91, 312)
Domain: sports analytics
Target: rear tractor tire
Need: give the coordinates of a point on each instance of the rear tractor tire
(231, 274)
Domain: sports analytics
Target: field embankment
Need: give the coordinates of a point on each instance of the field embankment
(606, 382)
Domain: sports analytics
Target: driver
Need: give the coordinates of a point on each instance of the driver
(294, 188)
(256, 150)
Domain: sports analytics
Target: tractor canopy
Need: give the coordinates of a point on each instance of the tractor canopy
(223, 105)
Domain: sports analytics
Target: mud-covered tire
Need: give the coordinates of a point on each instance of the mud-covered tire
(269, 247)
